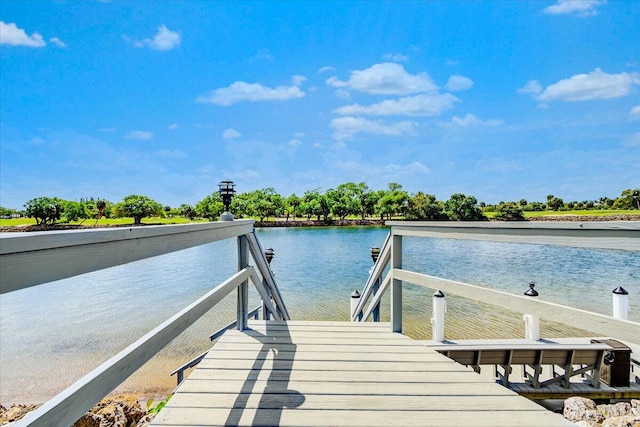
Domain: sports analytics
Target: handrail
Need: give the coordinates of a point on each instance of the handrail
(72, 403)
(582, 319)
(263, 267)
(619, 235)
(376, 272)
(29, 259)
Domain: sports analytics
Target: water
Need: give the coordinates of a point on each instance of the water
(51, 335)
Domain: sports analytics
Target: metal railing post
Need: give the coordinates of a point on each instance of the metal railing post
(243, 288)
(396, 285)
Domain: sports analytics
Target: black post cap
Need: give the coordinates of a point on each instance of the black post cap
(531, 292)
(438, 294)
(620, 291)
(355, 294)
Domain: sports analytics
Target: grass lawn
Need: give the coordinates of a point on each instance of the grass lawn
(582, 212)
(102, 221)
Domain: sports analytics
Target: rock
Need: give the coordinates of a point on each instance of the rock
(113, 411)
(635, 407)
(624, 421)
(618, 410)
(581, 409)
(14, 413)
(583, 424)
(145, 421)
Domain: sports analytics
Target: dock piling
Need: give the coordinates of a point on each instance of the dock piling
(437, 321)
(620, 303)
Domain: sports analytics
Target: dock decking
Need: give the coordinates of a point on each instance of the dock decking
(340, 373)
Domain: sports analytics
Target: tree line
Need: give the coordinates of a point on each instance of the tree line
(346, 200)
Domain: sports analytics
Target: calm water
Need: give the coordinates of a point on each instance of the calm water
(52, 334)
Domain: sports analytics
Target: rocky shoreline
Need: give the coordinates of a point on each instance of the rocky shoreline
(126, 411)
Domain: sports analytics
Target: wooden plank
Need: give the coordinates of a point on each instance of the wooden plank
(291, 398)
(28, 259)
(389, 349)
(388, 388)
(334, 365)
(338, 340)
(327, 356)
(426, 377)
(204, 417)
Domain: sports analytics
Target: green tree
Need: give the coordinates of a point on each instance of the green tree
(629, 199)
(292, 206)
(392, 202)
(310, 204)
(424, 207)
(45, 210)
(509, 212)
(75, 211)
(137, 207)
(211, 207)
(460, 207)
(554, 203)
(187, 211)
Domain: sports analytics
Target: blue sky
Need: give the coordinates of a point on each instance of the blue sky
(502, 100)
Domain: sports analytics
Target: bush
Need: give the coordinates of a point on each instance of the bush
(509, 212)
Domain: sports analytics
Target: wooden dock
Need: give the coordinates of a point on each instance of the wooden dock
(340, 373)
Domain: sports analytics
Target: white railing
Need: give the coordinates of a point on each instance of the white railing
(30, 259)
(608, 235)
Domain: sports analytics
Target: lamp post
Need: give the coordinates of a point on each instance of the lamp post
(227, 190)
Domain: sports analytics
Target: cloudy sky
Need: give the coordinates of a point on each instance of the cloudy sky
(501, 100)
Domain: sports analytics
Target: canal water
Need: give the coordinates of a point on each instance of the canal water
(53, 334)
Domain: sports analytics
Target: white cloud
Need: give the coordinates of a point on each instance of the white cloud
(343, 94)
(139, 135)
(419, 105)
(574, 7)
(230, 134)
(457, 83)
(635, 113)
(395, 57)
(472, 120)
(633, 140)
(57, 42)
(12, 35)
(415, 168)
(173, 126)
(595, 85)
(107, 130)
(386, 79)
(250, 92)
(298, 80)
(326, 69)
(165, 39)
(532, 87)
(347, 127)
(294, 143)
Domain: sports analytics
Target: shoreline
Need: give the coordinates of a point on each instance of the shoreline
(320, 223)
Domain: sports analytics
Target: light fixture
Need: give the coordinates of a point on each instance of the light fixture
(227, 190)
